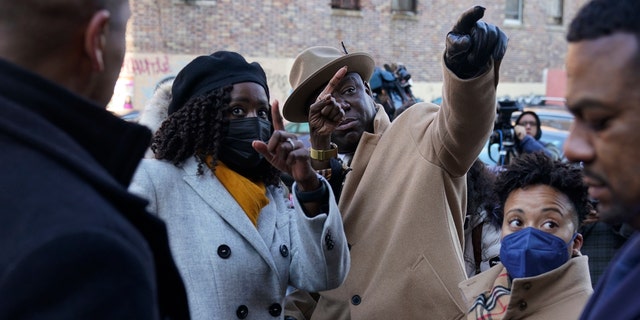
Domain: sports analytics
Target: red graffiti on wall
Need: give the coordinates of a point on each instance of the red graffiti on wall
(147, 66)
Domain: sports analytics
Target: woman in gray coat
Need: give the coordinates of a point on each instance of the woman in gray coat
(215, 181)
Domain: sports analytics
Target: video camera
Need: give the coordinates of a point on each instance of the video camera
(403, 73)
(503, 133)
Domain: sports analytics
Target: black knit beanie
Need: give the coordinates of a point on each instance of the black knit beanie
(206, 73)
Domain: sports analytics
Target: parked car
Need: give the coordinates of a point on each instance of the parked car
(491, 153)
(300, 129)
(550, 116)
(132, 116)
(555, 124)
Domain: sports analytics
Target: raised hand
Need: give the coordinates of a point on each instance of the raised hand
(278, 122)
(521, 132)
(326, 114)
(471, 43)
(286, 153)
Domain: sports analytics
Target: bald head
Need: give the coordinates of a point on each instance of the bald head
(30, 27)
(77, 43)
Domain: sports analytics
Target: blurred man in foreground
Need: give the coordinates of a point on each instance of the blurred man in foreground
(73, 242)
(603, 69)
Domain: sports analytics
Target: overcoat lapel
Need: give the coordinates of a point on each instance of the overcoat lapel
(363, 153)
(214, 194)
(266, 224)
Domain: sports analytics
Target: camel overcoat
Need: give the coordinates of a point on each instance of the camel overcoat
(403, 207)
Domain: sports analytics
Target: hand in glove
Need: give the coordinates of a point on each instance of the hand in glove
(471, 43)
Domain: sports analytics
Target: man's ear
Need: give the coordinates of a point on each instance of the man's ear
(367, 88)
(96, 39)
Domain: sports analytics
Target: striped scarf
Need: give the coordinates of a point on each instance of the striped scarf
(492, 305)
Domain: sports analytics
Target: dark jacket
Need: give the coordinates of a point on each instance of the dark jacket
(616, 295)
(73, 242)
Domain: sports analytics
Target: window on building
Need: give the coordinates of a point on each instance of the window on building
(345, 4)
(404, 5)
(198, 2)
(513, 11)
(555, 12)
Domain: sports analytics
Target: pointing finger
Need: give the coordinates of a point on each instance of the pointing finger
(468, 20)
(334, 82)
(278, 123)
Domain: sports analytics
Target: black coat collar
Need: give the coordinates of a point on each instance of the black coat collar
(115, 144)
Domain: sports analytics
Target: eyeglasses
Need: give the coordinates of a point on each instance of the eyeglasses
(525, 123)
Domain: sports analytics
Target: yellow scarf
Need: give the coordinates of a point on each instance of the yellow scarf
(251, 196)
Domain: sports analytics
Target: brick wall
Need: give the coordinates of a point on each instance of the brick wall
(272, 29)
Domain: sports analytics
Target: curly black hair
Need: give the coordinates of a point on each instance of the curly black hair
(600, 18)
(197, 130)
(538, 169)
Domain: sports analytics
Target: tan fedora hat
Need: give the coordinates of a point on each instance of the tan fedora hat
(312, 69)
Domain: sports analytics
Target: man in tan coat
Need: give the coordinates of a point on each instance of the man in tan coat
(404, 188)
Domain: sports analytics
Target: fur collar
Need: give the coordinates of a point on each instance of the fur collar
(156, 110)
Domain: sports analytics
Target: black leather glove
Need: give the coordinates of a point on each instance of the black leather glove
(471, 43)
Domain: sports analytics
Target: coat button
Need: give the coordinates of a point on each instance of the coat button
(275, 309)
(242, 312)
(224, 251)
(522, 305)
(356, 300)
(284, 251)
(527, 285)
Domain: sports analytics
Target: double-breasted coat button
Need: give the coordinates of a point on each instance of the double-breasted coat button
(527, 285)
(522, 305)
(356, 300)
(275, 309)
(242, 312)
(284, 251)
(224, 251)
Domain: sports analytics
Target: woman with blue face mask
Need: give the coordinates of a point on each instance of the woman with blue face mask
(215, 181)
(542, 274)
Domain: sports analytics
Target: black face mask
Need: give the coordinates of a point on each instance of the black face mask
(236, 150)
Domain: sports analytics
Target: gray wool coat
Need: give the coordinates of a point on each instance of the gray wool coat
(230, 267)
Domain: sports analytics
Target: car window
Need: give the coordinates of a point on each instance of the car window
(553, 117)
(490, 154)
(297, 128)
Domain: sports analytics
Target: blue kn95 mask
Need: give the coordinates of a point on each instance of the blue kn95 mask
(531, 252)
